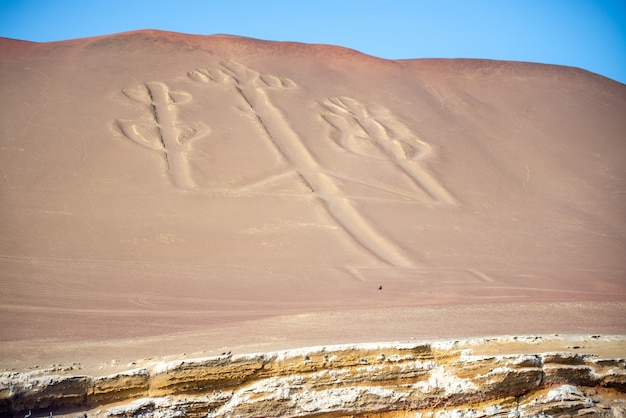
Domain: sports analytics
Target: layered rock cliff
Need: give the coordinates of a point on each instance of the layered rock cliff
(481, 377)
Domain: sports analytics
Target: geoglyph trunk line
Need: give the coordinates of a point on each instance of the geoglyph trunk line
(165, 115)
(251, 86)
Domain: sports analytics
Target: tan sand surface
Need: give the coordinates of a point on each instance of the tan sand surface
(164, 193)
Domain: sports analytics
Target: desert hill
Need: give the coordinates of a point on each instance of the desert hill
(164, 192)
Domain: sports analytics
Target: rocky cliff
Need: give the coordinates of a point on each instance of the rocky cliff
(509, 376)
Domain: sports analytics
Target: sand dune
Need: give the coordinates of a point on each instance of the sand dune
(164, 192)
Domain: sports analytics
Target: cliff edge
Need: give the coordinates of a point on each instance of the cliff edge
(505, 376)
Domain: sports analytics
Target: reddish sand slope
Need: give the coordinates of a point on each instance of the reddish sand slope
(154, 184)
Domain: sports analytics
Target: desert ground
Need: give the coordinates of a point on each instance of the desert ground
(163, 194)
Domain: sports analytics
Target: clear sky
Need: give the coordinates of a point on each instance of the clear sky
(589, 34)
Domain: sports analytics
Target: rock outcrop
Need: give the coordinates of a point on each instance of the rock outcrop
(460, 378)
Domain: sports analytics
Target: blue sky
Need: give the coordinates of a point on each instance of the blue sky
(589, 34)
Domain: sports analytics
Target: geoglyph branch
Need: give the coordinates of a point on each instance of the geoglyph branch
(373, 132)
(165, 133)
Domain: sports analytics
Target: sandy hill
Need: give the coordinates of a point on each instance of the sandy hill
(163, 193)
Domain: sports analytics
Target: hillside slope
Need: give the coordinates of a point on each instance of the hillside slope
(163, 185)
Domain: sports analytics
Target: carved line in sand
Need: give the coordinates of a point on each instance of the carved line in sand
(373, 132)
(251, 86)
(165, 133)
(444, 275)
(363, 131)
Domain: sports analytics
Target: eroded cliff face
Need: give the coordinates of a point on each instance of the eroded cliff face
(481, 377)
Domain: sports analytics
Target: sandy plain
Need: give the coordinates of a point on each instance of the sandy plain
(165, 193)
